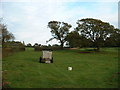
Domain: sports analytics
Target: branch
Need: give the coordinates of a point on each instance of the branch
(50, 40)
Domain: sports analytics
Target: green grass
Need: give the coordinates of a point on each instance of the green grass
(90, 70)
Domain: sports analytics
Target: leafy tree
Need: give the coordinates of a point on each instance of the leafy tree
(59, 31)
(49, 45)
(29, 45)
(95, 30)
(117, 37)
(36, 44)
(76, 40)
(73, 39)
(39, 45)
(6, 35)
(114, 40)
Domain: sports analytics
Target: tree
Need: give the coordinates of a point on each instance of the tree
(59, 31)
(39, 45)
(29, 45)
(95, 30)
(76, 40)
(117, 37)
(36, 44)
(114, 40)
(73, 39)
(6, 35)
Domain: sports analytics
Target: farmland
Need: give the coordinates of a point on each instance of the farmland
(90, 69)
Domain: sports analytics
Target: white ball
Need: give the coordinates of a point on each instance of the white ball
(70, 68)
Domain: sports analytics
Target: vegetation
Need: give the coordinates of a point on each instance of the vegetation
(36, 44)
(6, 35)
(90, 69)
(74, 39)
(11, 47)
(59, 31)
(8, 45)
(53, 47)
(96, 30)
(88, 33)
(28, 45)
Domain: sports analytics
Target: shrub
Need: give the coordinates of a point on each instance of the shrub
(10, 47)
(55, 48)
(37, 48)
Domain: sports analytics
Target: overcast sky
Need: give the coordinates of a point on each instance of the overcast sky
(28, 20)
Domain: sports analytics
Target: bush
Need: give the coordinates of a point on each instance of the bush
(18, 49)
(37, 48)
(11, 47)
(55, 48)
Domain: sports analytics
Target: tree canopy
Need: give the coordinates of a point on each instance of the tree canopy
(95, 30)
(29, 45)
(74, 39)
(6, 35)
(59, 31)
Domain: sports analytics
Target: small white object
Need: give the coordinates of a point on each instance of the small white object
(69, 68)
(47, 61)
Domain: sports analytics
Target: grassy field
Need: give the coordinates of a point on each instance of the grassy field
(90, 70)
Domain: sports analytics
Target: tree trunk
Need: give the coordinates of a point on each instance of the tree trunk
(61, 45)
(98, 49)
